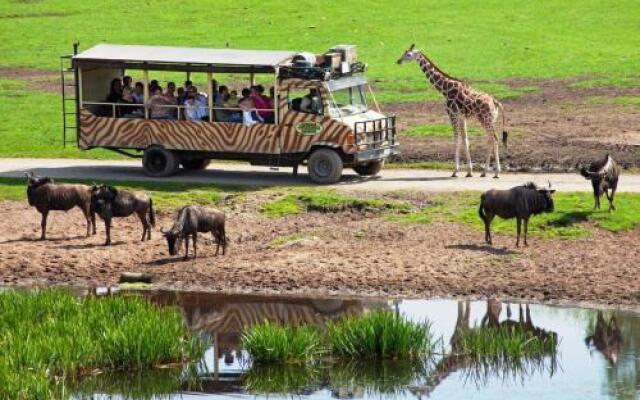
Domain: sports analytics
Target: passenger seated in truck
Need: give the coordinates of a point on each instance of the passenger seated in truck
(311, 103)
(126, 82)
(115, 96)
(263, 104)
(138, 93)
(153, 85)
(221, 114)
(127, 98)
(158, 106)
(232, 104)
(196, 106)
(250, 115)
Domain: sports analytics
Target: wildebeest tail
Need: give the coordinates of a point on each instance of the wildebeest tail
(481, 208)
(584, 172)
(152, 213)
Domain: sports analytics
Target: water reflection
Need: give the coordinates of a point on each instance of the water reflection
(607, 367)
(616, 337)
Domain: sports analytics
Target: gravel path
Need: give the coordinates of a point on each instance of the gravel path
(244, 174)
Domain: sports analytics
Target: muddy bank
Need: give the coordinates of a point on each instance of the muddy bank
(555, 128)
(344, 253)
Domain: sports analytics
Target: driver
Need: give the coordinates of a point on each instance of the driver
(311, 103)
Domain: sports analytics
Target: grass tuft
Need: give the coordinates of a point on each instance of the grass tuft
(51, 337)
(268, 343)
(505, 343)
(327, 201)
(379, 335)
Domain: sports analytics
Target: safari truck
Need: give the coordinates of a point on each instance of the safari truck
(320, 110)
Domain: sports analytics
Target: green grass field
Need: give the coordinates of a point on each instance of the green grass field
(477, 40)
(567, 221)
(483, 42)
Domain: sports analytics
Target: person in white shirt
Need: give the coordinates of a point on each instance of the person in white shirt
(196, 106)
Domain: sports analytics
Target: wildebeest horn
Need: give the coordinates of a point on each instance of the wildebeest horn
(412, 46)
(28, 174)
(162, 230)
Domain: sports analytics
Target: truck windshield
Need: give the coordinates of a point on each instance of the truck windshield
(349, 101)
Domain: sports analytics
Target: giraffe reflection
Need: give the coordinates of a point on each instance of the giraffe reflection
(459, 360)
(606, 338)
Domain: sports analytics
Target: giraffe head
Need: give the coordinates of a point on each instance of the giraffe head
(409, 55)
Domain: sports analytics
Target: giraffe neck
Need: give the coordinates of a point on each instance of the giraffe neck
(435, 75)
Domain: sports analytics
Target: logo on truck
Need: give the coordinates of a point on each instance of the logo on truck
(308, 128)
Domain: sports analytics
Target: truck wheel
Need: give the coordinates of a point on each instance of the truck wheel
(325, 166)
(158, 161)
(370, 168)
(195, 163)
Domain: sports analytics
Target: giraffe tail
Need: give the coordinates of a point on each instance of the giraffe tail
(505, 134)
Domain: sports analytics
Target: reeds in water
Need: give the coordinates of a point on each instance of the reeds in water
(271, 343)
(51, 337)
(381, 335)
(506, 342)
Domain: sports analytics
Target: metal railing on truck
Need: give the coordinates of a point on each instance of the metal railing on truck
(376, 133)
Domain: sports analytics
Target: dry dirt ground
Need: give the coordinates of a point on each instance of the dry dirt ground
(334, 254)
(554, 128)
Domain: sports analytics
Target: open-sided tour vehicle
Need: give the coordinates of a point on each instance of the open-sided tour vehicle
(336, 128)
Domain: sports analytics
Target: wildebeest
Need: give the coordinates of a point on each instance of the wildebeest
(519, 202)
(604, 175)
(109, 202)
(193, 219)
(45, 196)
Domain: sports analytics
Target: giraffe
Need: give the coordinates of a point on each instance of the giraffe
(463, 102)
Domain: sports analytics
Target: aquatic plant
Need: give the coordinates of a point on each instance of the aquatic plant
(506, 342)
(270, 343)
(50, 338)
(379, 334)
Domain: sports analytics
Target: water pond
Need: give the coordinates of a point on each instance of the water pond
(597, 357)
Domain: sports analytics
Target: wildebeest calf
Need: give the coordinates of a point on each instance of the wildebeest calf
(191, 220)
(604, 175)
(45, 196)
(519, 202)
(109, 202)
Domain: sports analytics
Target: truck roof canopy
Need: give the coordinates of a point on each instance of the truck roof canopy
(182, 58)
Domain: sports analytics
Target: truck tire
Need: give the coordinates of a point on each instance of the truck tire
(194, 163)
(325, 166)
(370, 168)
(159, 162)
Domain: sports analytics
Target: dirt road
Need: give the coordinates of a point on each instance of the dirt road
(246, 175)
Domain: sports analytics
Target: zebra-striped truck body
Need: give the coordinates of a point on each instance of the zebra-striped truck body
(351, 134)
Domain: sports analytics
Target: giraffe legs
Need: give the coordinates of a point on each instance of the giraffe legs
(492, 147)
(458, 143)
(488, 160)
(457, 139)
(463, 131)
